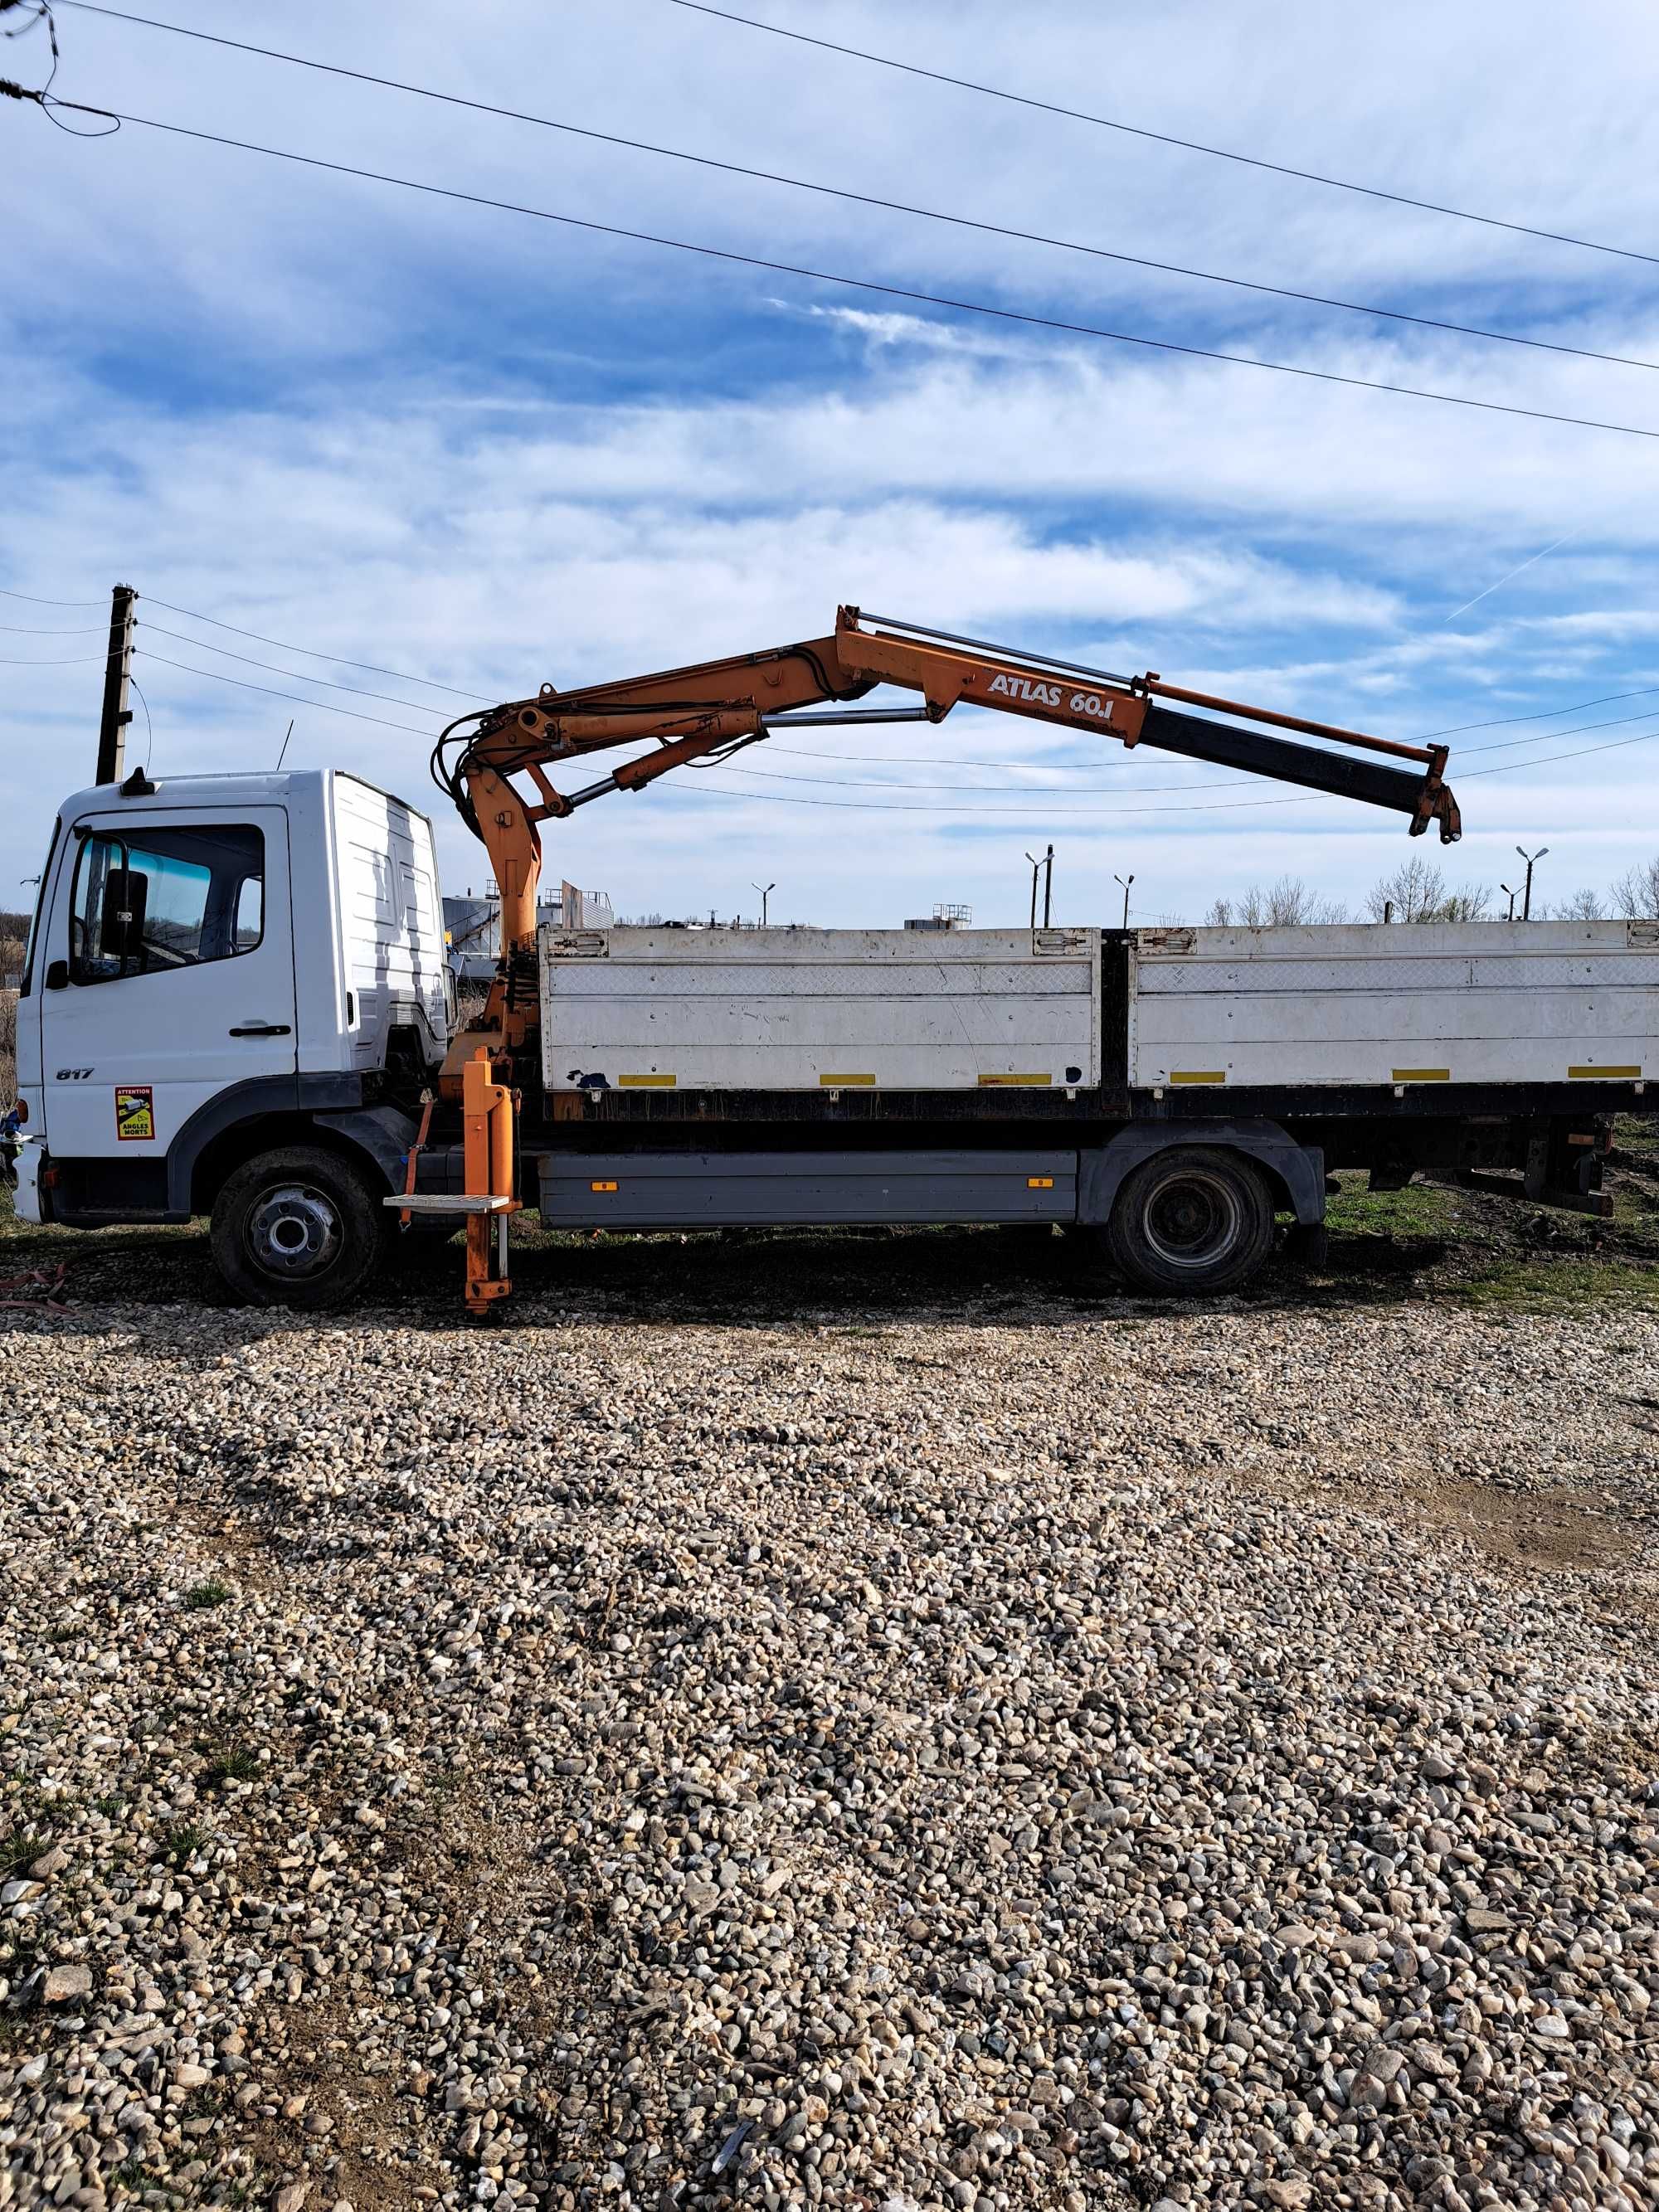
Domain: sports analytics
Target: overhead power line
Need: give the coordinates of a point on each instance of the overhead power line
(1049, 812)
(869, 284)
(1542, 715)
(270, 669)
(1126, 760)
(800, 753)
(866, 199)
(76, 660)
(314, 653)
(7, 595)
(1165, 137)
(322, 705)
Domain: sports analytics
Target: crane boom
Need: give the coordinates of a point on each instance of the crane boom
(713, 708)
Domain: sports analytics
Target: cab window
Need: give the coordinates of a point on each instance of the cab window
(164, 900)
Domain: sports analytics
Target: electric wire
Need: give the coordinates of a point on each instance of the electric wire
(1125, 760)
(270, 669)
(7, 593)
(43, 95)
(312, 652)
(150, 727)
(914, 294)
(24, 629)
(862, 199)
(1542, 715)
(449, 779)
(798, 752)
(295, 698)
(1166, 138)
(992, 790)
(1512, 768)
(1208, 806)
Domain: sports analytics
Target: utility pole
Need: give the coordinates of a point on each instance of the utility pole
(1504, 887)
(112, 724)
(766, 891)
(1531, 859)
(1125, 881)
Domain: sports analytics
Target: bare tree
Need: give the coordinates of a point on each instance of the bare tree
(1412, 893)
(1636, 894)
(1284, 905)
(1583, 906)
(1418, 891)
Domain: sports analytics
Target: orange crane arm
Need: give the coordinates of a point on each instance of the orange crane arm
(714, 708)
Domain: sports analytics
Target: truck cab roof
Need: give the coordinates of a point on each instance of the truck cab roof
(244, 788)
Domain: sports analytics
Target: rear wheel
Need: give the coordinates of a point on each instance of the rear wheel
(1191, 1220)
(300, 1227)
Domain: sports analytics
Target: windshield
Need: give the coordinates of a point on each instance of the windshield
(40, 909)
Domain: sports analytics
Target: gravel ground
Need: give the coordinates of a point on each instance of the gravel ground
(1069, 1757)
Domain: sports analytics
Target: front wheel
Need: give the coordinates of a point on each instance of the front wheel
(299, 1226)
(1192, 1219)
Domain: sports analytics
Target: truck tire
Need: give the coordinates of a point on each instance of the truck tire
(299, 1226)
(1190, 1220)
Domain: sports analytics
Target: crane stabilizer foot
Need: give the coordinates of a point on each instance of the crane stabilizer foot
(488, 1108)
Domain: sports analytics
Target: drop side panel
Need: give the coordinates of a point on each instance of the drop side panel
(806, 1009)
(1458, 1002)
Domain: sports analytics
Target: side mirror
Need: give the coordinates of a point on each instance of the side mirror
(121, 928)
(57, 976)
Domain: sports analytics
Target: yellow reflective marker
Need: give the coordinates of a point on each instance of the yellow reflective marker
(836, 1082)
(646, 1082)
(1422, 1075)
(1039, 1182)
(987, 1080)
(1604, 1074)
(1198, 1075)
(602, 1186)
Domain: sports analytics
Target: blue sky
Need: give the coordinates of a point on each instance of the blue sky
(493, 452)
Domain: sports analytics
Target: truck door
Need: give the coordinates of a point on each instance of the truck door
(168, 976)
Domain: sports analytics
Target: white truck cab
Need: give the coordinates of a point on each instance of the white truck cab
(227, 970)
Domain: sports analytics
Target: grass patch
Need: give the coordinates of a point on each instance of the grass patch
(1563, 1285)
(200, 1596)
(182, 1844)
(1422, 1209)
(19, 1851)
(233, 1763)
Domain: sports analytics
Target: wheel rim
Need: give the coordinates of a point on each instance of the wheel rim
(294, 1231)
(1193, 1220)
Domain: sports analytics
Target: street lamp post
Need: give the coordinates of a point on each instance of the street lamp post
(1504, 887)
(1037, 867)
(1125, 881)
(766, 891)
(1531, 859)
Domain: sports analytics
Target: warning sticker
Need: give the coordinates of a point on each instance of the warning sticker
(134, 1112)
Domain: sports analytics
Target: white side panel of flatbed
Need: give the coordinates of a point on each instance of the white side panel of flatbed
(1442, 1002)
(812, 1009)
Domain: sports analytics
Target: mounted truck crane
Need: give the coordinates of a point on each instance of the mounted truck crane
(234, 1004)
(715, 709)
